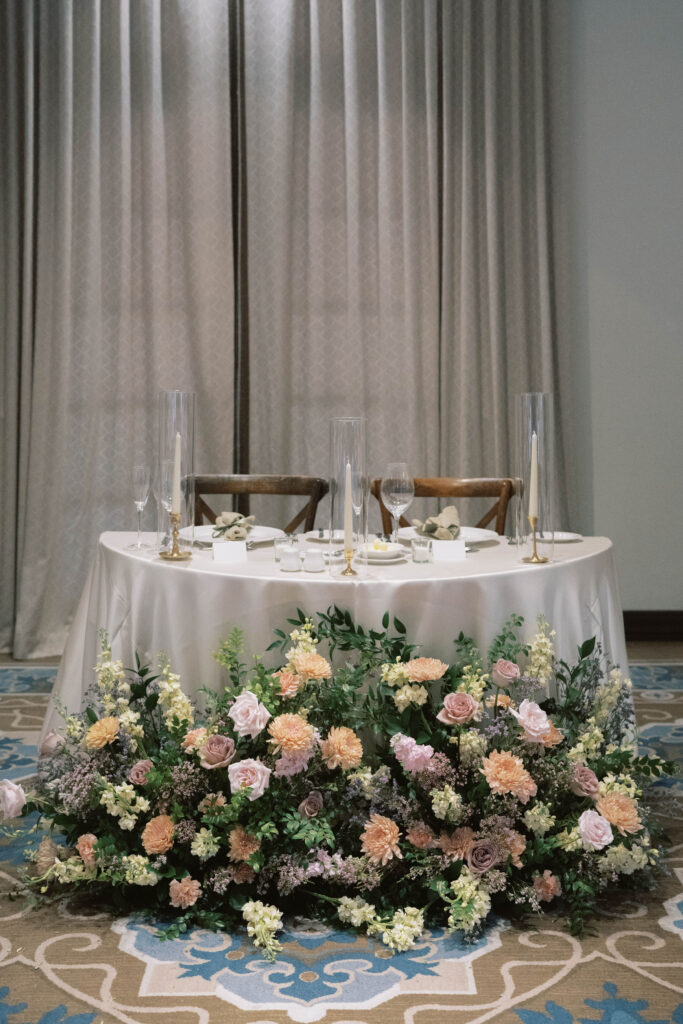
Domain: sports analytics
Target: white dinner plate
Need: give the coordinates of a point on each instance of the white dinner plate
(323, 536)
(257, 534)
(470, 534)
(386, 561)
(389, 552)
(560, 537)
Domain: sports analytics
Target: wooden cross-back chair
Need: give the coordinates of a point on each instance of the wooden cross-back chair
(502, 489)
(313, 487)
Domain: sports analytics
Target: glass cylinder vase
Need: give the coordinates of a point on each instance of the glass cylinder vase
(175, 445)
(348, 529)
(535, 472)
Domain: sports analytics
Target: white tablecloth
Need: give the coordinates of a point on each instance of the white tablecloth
(187, 609)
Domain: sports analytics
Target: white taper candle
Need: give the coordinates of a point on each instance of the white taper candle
(175, 499)
(348, 521)
(533, 477)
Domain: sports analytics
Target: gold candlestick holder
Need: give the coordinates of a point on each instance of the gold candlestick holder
(348, 571)
(534, 558)
(175, 554)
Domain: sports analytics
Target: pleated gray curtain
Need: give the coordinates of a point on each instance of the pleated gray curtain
(372, 174)
(399, 228)
(117, 268)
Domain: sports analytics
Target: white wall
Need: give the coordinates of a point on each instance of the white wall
(623, 189)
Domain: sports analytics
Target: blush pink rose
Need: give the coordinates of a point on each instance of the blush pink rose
(249, 772)
(248, 714)
(595, 831)
(139, 772)
(533, 720)
(584, 782)
(458, 708)
(217, 752)
(12, 799)
(505, 673)
(52, 742)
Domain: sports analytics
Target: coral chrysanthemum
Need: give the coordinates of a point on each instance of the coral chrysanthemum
(342, 748)
(101, 733)
(380, 839)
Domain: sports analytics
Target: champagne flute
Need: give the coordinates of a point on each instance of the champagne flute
(398, 492)
(141, 482)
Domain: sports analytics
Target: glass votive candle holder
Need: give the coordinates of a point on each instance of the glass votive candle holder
(314, 561)
(286, 543)
(290, 560)
(422, 549)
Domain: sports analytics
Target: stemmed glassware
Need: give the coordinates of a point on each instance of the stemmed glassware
(141, 482)
(398, 492)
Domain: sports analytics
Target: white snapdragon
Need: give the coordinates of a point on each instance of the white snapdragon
(470, 904)
(446, 804)
(589, 743)
(405, 928)
(609, 695)
(472, 746)
(569, 839)
(623, 861)
(542, 653)
(138, 871)
(123, 802)
(176, 706)
(263, 921)
(129, 722)
(619, 784)
(473, 681)
(302, 640)
(204, 845)
(71, 870)
(74, 728)
(538, 819)
(355, 912)
(396, 674)
(410, 694)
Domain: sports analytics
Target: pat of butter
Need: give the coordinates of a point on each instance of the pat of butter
(380, 545)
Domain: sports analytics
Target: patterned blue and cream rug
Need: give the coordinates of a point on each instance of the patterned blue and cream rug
(76, 965)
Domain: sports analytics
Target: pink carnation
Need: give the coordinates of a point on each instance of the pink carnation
(412, 756)
(294, 762)
(184, 893)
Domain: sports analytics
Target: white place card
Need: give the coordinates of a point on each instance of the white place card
(448, 550)
(230, 551)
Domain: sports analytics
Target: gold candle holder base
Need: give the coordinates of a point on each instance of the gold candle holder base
(175, 554)
(534, 558)
(348, 571)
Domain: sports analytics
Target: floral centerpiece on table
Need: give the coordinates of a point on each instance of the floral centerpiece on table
(444, 526)
(232, 526)
(396, 793)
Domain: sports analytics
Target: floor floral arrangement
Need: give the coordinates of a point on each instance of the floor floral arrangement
(394, 793)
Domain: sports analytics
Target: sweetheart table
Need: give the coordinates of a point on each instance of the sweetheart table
(187, 609)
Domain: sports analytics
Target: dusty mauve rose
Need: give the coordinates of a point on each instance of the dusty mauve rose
(505, 673)
(621, 811)
(533, 720)
(184, 893)
(458, 708)
(85, 847)
(595, 831)
(584, 782)
(217, 751)
(51, 743)
(250, 772)
(12, 799)
(157, 835)
(547, 886)
(248, 714)
(312, 805)
(139, 772)
(483, 855)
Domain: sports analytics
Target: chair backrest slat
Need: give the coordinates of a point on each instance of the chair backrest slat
(500, 488)
(314, 487)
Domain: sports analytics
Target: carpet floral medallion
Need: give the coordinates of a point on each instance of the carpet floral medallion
(76, 964)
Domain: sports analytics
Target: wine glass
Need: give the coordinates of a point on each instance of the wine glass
(141, 481)
(163, 492)
(398, 492)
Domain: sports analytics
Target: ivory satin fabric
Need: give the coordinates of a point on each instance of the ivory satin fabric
(186, 610)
